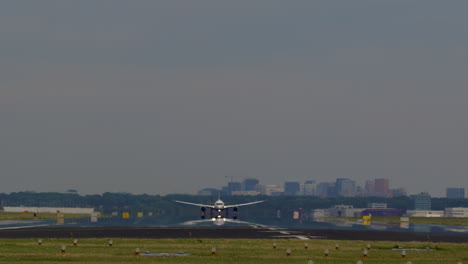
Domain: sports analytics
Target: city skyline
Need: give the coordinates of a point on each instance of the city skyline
(341, 187)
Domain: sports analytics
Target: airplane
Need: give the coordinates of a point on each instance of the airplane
(219, 207)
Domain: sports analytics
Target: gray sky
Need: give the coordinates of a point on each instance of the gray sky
(172, 96)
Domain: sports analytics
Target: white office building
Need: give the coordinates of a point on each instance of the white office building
(456, 212)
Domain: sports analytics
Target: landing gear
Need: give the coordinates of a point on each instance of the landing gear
(202, 212)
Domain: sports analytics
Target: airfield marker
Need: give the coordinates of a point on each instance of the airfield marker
(75, 242)
(274, 245)
(368, 247)
(403, 254)
(364, 253)
(137, 252)
(326, 252)
(288, 252)
(39, 242)
(110, 243)
(213, 251)
(306, 246)
(63, 250)
(310, 262)
(337, 246)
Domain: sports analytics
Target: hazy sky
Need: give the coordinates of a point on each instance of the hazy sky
(172, 96)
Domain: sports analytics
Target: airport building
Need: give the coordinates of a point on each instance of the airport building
(65, 210)
(456, 212)
(344, 211)
(425, 213)
(377, 206)
(383, 212)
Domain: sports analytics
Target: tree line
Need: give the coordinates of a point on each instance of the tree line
(161, 205)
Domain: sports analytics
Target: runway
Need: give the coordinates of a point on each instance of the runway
(243, 232)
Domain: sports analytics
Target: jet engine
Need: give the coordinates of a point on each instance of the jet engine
(202, 212)
(234, 214)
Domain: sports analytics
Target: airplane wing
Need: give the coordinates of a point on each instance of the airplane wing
(195, 204)
(237, 205)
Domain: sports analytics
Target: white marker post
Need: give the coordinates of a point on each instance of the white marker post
(364, 253)
(403, 254)
(63, 250)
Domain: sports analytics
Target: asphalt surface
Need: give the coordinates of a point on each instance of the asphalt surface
(229, 232)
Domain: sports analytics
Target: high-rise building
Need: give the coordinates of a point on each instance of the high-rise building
(381, 187)
(234, 187)
(345, 187)
(398, 192)
(291, 188)
(455, 193)
(308, 188)
(208, 191)
(422, 201)
(270, 189)
(369, 187)
(249, 184)
(325, 189)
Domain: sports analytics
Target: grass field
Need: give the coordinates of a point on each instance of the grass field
(243, 251)
(414, 220)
